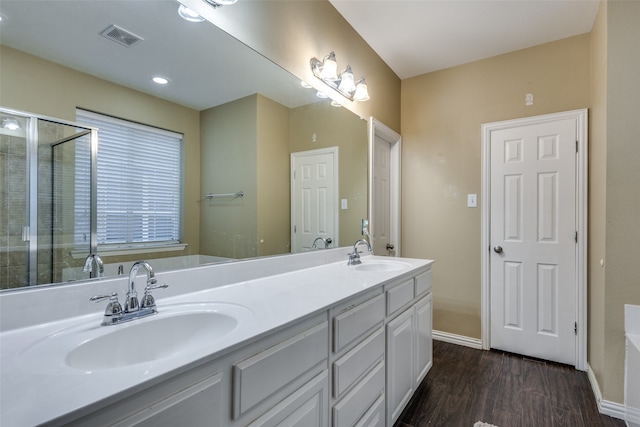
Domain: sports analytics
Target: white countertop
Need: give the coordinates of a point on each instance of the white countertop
(35, 387)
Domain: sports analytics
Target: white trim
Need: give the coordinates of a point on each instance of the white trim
(606, 407)
(377, 128)
(457, 339)
(581, 117)
(336, 190)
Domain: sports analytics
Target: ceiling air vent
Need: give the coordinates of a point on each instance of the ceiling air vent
(121, 36)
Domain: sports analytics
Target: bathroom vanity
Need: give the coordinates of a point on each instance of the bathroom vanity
(300, 339)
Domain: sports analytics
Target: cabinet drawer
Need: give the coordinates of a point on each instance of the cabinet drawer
(269, 371)
(374, 416)
(357, 321)
(399, 296)
(423, 283)
(357, 401)
(357, 362)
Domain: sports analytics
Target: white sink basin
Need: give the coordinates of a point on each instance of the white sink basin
(379, 265)
(176, 330)
(153, 339)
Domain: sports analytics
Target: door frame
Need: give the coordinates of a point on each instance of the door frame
(582, 148)
(334, 151)
(377, 128)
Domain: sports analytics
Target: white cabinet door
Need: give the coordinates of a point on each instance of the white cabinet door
(306, 407)
(197, 405)
(424, 344)
(400, 362)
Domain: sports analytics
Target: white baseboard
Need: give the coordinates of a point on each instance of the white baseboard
(606, 407)
(457, 339)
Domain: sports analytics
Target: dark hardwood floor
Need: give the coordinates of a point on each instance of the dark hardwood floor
(504, 389)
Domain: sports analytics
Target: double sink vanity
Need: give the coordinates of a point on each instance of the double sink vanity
(300, 339)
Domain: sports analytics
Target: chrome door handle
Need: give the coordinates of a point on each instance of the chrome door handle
(390, 247)
(497, 249)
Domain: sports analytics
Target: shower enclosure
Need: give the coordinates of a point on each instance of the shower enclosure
(47, 199)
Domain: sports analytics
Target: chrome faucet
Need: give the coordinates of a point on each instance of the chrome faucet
(133, 309)
(326, 242)
(354, 257)
(88, 265)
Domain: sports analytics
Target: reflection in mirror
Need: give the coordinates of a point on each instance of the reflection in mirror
(241, 118)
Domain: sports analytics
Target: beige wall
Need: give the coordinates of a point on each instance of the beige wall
(228, 164)
(622, 237)
(291, 32)
(442, 114)
(337, 127)
(273, 171)
(38, 86)
(597, 194)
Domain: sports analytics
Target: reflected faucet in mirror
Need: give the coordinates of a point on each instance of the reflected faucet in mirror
(327, 241)
(94, 259)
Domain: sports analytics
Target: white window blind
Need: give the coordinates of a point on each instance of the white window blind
(139, 182)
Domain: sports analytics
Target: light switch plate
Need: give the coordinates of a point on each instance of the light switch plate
(343, 204)
(472, 200)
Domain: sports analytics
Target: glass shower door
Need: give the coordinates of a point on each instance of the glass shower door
(46, 211)
(14, 201)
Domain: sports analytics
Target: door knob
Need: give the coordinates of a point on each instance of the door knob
(390, 247)
(497, 249)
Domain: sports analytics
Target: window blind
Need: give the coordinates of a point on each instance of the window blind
(139, 182)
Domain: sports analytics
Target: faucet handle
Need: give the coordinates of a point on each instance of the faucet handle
(147, 299)
(113, 312)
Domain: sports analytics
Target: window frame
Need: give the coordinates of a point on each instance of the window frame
(150, 219)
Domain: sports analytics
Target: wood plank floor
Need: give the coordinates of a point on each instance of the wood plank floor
(504, 389)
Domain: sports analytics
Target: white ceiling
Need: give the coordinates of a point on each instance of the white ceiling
(415, 37)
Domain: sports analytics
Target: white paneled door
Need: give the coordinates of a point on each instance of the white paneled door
(314, 198)
(381, 239)
(385, 146)
(533, 239)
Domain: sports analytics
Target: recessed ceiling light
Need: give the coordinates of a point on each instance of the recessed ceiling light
(11, 124)
(188, 14)
(160, 80)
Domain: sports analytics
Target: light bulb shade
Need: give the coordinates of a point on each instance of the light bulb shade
(329, 69)
(347, 83)
(321, 95)
(362, 93)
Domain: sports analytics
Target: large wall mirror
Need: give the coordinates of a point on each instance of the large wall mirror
(240, 117)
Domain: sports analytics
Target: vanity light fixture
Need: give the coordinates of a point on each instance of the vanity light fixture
(218, 3)
(160, 80)
(10, 124)
(188, 14)
(361, 93)
(327, 71)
